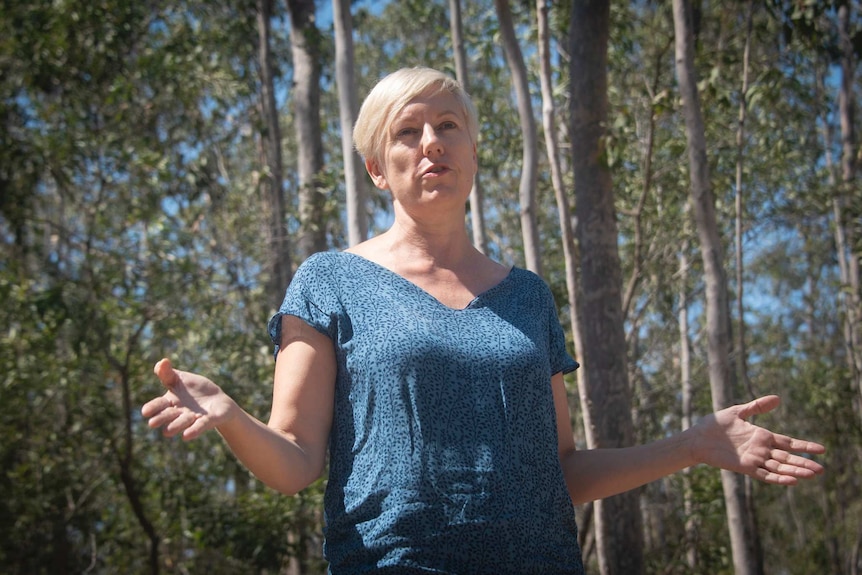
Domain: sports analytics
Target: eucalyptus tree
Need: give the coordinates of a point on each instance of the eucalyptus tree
(459, 52)
(744, 538)
(348, 108)
(306, 44)
(529, 165)
(272, 180)
(846, 230)
(549, 124)
(604, 386)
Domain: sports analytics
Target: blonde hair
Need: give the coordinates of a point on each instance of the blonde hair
(391, 94)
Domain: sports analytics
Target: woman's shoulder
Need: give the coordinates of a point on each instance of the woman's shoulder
(320, 268)
(323, 261)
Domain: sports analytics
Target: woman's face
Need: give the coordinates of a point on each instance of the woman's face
(429, 155)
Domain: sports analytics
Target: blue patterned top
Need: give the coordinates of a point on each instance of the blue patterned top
(443, 450)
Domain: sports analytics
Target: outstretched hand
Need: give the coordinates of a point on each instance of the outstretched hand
(191, 405)
(727, 440)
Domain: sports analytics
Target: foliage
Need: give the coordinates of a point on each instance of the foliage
(131, 228)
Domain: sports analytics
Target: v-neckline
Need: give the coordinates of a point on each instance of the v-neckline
(428, 294)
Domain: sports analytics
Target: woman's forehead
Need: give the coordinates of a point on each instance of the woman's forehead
(438, 102)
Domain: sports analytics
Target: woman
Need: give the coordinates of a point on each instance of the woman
(433, 377)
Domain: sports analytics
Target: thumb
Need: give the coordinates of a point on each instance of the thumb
(759, 406)
(166, 373)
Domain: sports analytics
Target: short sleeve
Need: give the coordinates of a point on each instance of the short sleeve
(560, 359)
(311, 296)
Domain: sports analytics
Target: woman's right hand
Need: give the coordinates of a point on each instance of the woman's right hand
(191, 405)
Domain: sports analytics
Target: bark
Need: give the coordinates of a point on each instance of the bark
(355, 181)
(744, 541)
(844, 229)
(832, 506)
(549, 126)
(686, 395)
(530, 164)
(741, 355)
(279, 253)
(477, 210)
(604, 386)
(305, 43)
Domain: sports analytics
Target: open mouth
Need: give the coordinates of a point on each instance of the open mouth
(435, 170)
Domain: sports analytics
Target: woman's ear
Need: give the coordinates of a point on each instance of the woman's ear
(377, 176)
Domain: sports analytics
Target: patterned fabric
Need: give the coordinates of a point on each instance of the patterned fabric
(443, 451)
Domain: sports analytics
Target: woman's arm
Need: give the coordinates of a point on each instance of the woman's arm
(724, 439)
(288, 453)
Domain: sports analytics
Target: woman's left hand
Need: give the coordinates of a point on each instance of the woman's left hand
(727, 440)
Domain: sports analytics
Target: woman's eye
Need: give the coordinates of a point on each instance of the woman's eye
(404, 132)
(448, 125)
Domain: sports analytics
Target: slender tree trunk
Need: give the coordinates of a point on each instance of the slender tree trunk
(354, 172)
(529, 170)
(477, 210)
(279, 256)
(741, 354)
(743, 540)
(833, 506)
(844, 225)
(604, 385)
(686, 394)
(741, 349)
(305, 43)
(550, 128)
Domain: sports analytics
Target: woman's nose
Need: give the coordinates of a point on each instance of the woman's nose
(431, 143)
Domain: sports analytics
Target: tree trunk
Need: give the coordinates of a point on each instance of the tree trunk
(354, 172)
(833, 505)
(744, 541)
(604, 386)
(529, 169)
(305, 43)
(741, 355)
(279, 254)
(844, 226)
(686, 395)
(550, 128)
(477, 210)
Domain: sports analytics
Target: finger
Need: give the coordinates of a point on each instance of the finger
(164, 417)
(180, 423)
(774, 478)
(196, 428)
(788, 443)
(798, 462)
(158, 404)
(788, 469)
(759, 406)
(166, 373)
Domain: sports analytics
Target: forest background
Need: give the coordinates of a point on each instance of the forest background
(158, 188)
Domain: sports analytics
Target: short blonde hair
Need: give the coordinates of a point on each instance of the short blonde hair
(391, 94)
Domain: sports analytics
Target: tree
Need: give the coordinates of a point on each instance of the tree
(529, 167)
(549, 124)
(604, 386)
(354, 172)
(743, 537)
(477, 210)
(845, 230)
(305, 42)
(272, 179)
